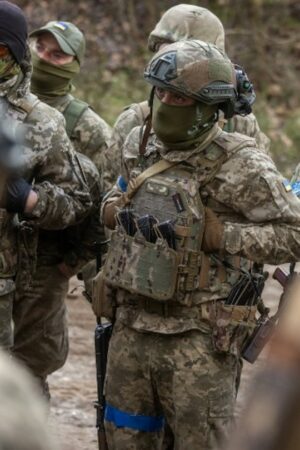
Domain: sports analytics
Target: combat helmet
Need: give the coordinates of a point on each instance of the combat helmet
(195, 69)
(182, 22)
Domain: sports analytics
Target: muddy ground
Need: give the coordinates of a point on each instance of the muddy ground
(73, 388)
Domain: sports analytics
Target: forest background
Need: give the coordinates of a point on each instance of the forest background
(261, 35)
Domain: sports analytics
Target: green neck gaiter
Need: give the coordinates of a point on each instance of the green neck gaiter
(50, 80)
(182, 126)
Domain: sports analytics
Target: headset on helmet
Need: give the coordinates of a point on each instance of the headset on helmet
(245, 90)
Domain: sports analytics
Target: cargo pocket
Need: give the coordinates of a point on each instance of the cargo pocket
(231, 327)
(220, 420)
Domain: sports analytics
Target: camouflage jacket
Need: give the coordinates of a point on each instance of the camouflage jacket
(90, 136)
(135, 114)
(261, 218)
(76, 245)
(50, 164)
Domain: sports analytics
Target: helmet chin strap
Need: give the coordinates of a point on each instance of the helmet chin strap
(203, 126)
(146, 128)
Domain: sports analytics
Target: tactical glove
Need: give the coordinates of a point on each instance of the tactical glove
(213, 232)
(17, 192)
(111, 208)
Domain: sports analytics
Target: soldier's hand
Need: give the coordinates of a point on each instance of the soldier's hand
(17, 193)
(213, 232)
(111, 208)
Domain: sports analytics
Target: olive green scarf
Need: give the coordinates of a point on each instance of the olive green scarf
(182, 126)
(50, 80)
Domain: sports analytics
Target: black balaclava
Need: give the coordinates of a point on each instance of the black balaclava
(13, 29)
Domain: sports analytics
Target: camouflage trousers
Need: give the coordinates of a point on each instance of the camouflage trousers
(161, 382)
(6, 333)
(39, 314)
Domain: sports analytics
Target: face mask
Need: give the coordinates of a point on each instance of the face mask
(182, 125)
(8, 68)
(50, 80)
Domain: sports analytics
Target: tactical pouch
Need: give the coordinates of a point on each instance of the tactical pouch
(230, 326)
(103, 303)
(141, 267)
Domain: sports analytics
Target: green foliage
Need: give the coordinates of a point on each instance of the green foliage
(109, 93)
(261, 35)
(283, 128)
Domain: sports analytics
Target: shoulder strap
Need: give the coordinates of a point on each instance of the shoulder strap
(228, 127)
(72, 114)
(155, 169)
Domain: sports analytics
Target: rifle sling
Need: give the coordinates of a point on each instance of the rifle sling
(155, 169)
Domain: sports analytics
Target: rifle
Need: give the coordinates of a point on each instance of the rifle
(266, 325)
(102, 337)
(103, 333)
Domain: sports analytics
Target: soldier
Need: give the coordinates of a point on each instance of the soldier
(23, 424)
(177, 23)
(41, 332)
(57, 54)
(58, 195)
(200, 206)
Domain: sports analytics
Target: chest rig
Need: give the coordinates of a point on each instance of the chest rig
(169, 193)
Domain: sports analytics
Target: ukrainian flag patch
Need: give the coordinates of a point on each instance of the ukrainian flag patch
(61, 25)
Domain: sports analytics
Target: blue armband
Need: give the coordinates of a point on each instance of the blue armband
(138, 422)
(122, 184)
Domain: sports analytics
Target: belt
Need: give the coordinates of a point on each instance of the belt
(165, 309)
(210, 311)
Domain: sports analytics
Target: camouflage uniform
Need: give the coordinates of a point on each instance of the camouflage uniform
(178, 23)
(176, 361)
(90, 136)
(41, 334)
(51, 164)
(88, 132)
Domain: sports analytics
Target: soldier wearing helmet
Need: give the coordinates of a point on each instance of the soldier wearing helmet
(192, 22)
(198, 207)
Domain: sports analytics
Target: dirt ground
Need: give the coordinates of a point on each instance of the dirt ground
(73, 388)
